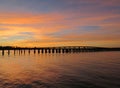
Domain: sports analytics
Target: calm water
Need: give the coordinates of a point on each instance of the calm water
(75, 70)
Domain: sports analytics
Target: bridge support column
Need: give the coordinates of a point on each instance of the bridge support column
(38, 51)
(49, 50)
(14, 51)
(3, 52)
(63, 50)
(42, 50)
(53, 51)
(45, 50)
(34, 51)
(24, 51)
(59, 50)
(21, 51)
(29, 51)
(8, 52)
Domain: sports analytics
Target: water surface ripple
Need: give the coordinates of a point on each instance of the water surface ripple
(70, 70)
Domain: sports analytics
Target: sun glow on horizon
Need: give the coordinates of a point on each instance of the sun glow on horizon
(80, 23)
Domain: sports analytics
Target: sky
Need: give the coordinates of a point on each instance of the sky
(38, 23)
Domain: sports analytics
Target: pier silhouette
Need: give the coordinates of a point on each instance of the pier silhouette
(62, 49)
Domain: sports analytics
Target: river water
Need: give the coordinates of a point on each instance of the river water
(70, 70)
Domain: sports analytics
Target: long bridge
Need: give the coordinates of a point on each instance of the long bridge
(62, 49)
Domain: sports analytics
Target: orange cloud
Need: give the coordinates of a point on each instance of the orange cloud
(43, 24)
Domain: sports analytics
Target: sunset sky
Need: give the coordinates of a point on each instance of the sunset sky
(60, 23)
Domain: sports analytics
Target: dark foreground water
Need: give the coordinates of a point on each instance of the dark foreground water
(75, 70)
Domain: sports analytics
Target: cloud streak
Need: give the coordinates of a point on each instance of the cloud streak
(80, 21)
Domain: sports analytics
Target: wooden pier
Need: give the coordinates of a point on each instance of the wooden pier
(64, 49)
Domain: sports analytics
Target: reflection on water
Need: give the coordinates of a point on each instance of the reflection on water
(74, 70)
